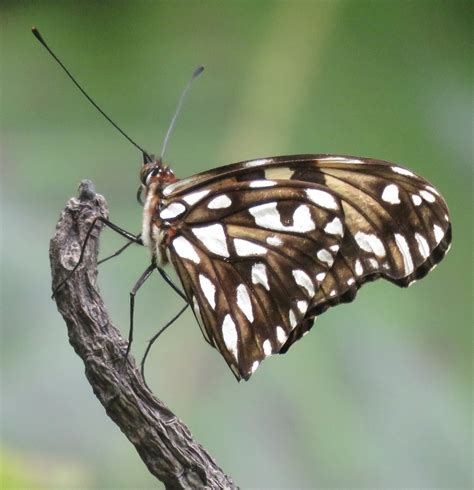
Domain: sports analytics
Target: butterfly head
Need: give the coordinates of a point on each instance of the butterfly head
(155, 175)
(156, 172)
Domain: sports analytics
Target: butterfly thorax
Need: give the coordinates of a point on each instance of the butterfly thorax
(155, 231)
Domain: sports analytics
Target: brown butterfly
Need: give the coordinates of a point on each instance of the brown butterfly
(262, 247)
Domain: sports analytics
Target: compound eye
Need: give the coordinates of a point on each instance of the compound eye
(144, 172)
(149, 175)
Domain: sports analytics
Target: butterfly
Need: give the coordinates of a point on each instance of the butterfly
(262, 247)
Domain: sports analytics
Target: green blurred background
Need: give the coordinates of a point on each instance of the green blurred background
(378, 395)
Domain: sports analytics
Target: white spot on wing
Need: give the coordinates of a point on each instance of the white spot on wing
(244, 302)
(257, 163)
(405, 251)
(302, 220)
(438, 233)
(208, 289)
(267, 216)
(350, 281)
(304, 281)
(427, 196)
(334, 227)
(324, 256)
(172, 187)
(194, 197)
(416, 199)
(322, 198)
(432, 189)
(332, 158)
(302, 306)
(390, 194)
(213, 237)
(274, 240)
(259, 275)
(403, 171)
(185, 249)
(320, 277)
(422, 245)
(370, 243)
(279, 173)
(281, 335)
(332, 293)
(245, 248)
(229, 333)
(373, 263)
(359, 270)
(267, 348)
(196, 306)
(334, 248)
(172, 211)
(262, 183)
(254, 366)
(292, 318)
(219, 202)
(433, 268)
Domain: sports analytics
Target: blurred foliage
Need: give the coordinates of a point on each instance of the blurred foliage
(379, 394)
(13, 473)
(21, 470)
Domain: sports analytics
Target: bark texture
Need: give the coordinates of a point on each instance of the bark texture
(163, 442)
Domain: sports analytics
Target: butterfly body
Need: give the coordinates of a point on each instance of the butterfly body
(264, 246)
(156, 232)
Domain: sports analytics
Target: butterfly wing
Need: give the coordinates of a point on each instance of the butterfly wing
(264, 246)
(397, 227)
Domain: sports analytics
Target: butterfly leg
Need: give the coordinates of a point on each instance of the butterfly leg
(170, 282)
(126, 234)
(117, 229)
(155, 337)
(119, 251)
(142, 279)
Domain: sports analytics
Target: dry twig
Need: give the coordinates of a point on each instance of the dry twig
(163, 442)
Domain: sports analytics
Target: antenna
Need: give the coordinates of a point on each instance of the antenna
(39, 37)
(195, 74)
